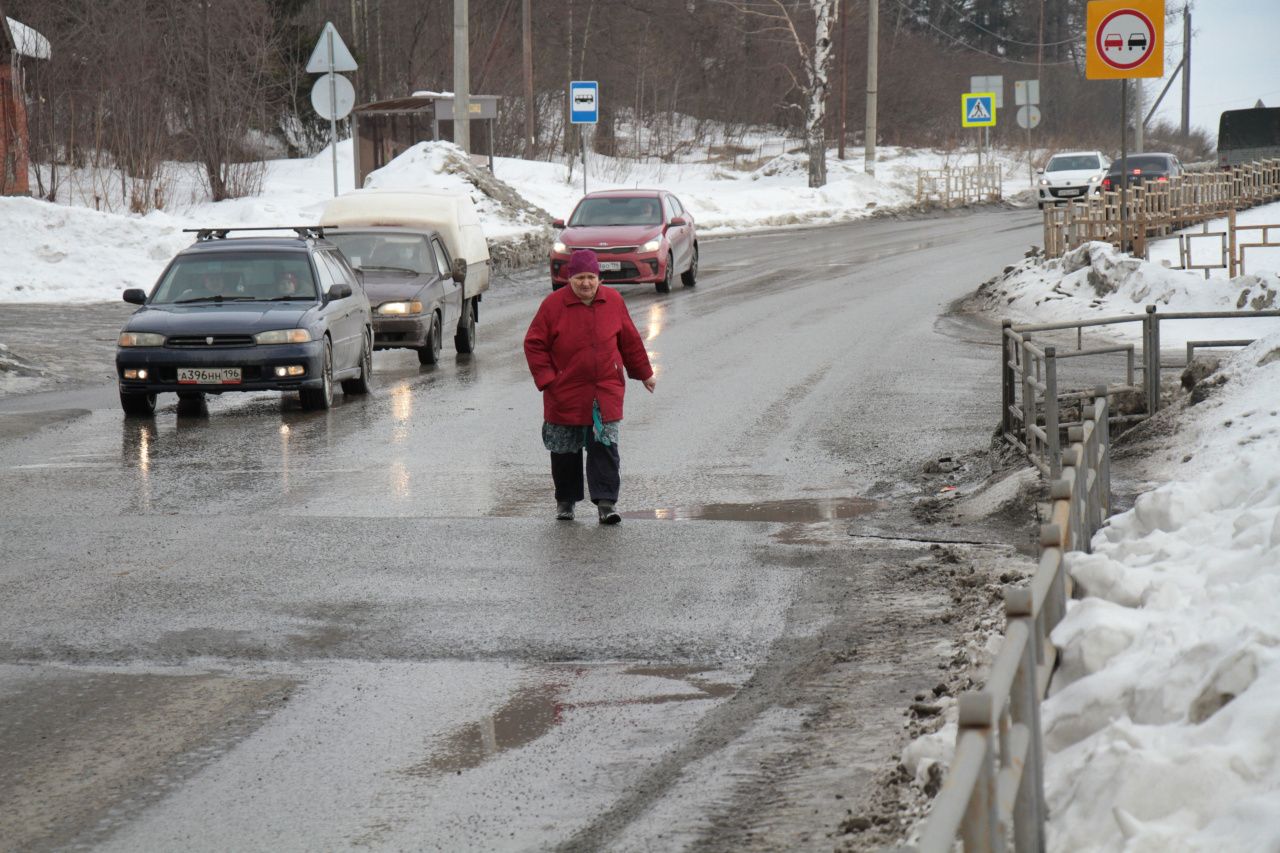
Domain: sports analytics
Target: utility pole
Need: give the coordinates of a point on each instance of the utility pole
(1186, 71)
(528, 80)
(873, 76)
(461, 76)
(1138, 106)
(843, 10)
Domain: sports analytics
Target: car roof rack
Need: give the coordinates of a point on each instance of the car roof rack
(304, 232)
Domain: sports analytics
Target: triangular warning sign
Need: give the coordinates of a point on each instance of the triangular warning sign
(978, 110)
(342, 58)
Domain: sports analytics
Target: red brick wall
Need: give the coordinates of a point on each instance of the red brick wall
(13, 135)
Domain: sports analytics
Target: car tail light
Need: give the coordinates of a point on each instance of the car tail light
(1137, 171)
(1106, 183)
(1163, 179)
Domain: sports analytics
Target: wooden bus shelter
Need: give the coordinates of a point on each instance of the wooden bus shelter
(383, 130)
(19, 45)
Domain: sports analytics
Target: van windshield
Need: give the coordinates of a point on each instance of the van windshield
(381, 251)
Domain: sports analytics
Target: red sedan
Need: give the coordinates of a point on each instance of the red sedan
(639, 236)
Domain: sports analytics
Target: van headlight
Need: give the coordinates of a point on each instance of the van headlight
(283, 336)
(140, 339)
(400, 308)
(653, 245)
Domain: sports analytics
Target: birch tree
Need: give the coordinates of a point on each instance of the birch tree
(783, 19)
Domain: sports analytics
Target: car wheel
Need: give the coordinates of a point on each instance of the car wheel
(363, 383)
(430, 353)
(318, 399)
(664, 286)
(137, 405)
(690, 276)
(465, 340)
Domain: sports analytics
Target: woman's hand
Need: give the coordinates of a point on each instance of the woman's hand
(651, 383)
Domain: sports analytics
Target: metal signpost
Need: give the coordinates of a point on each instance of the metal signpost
(332, 96)
(1026, 96)
(993, 84)
(978, 109)
(1125, 41)
(584, 108)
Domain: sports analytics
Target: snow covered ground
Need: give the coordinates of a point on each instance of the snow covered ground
(1163, 721)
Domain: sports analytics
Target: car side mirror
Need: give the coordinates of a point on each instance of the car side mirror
(678, 220)
(135, 296)
(459, 271)
(339, 291)
(557, 223)
(1039, 171)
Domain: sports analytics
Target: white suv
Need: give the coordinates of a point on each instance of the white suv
(1071, 175)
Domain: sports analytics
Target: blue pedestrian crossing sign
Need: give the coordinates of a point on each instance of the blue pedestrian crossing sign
(584, 101)
(978, 109)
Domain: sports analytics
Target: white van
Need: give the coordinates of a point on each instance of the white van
(418, 288)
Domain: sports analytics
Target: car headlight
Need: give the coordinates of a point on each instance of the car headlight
(283, 336)
(1093, 179)
(1044, 182)
(414, 307)
(653, 245)
(140, 339)
(559, 248)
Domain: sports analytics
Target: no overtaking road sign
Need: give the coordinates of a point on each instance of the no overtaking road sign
(1126, 39)
(978, 109)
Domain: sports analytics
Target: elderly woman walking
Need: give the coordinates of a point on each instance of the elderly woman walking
(577, 346)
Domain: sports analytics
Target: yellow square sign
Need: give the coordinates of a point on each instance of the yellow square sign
(1125, 39)
(978, 109)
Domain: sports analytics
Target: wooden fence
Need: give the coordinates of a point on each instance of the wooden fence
(1157, 209)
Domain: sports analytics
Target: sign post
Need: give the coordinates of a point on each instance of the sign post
(993, 83)
(1126, 41)
(978, 109)
(1026, 95)
(332, 96)
(584, 108)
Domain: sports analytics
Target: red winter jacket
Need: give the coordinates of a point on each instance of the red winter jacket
(577, 352)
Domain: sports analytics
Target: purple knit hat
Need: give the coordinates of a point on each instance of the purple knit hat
(582, 260)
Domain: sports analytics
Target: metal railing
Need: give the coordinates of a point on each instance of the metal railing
(960, 185)
(1031, 411)
(994, 792)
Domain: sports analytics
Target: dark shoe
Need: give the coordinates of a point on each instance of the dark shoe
(564, 510)
(607, 513)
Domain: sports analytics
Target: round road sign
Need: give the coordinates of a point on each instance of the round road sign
(343, 91)
(1028, 116)
(1125, 39)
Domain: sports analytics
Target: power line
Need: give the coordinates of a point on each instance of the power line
(968, 46)
(960, 13)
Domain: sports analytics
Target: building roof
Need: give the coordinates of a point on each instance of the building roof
(17, 37)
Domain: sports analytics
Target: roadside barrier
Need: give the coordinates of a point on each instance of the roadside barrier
(994, 792)
(1157, 209)
(956, 186)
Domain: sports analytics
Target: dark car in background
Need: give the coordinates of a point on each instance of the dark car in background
(1138, 169)
(248, 313)
(639, 237)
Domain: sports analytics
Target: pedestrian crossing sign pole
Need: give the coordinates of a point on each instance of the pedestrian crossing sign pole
(978, 109)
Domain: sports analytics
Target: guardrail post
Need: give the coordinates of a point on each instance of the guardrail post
(1148, 371)
(1104, 453)
(1028, 398)
(981, 827)
(1155, 358)
(1007, 379)
(1051, 410)
(1029, 807)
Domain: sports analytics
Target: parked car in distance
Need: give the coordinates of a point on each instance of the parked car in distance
(639, 237)
(1070, 175)
(425, 264)
(1137, 169)
(252, 313)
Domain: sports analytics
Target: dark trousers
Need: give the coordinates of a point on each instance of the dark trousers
(603, 465)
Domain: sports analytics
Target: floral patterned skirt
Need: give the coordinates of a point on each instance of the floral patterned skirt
(559, 438)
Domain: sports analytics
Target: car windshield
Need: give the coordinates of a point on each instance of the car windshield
(247, 277)
(1146, 164)
(605, 210)
(407, 253)
(1073, 162)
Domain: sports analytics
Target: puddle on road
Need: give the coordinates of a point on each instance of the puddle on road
(534, 711)
(800, 511)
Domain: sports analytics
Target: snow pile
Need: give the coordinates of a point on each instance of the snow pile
(1161, 733)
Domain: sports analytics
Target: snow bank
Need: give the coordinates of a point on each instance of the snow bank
(1162, 730)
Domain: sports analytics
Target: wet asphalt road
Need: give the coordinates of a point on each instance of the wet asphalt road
(261, 628)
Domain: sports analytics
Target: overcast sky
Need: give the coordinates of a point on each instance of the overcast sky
(1235, 59)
